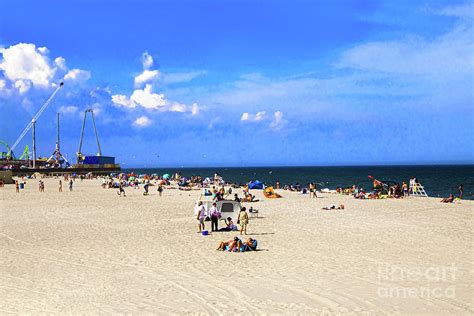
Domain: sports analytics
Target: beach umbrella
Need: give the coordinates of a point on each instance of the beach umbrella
(166, 176)
(131, 178)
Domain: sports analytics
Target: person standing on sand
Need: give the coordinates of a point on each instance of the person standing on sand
(201, 215)
(70, 185)
(243, 220)
(215, 215)
(160, 190)
(405, 189)
(60, 186)
(17, 186)
(460, 190)
(121, 190)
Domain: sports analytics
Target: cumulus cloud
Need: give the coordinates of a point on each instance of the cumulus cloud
(22, 85)
(147, 99)
(77, 75)
(26, 66)
(123, 100)
(278, 122)
(146, 76)
(147, 61)
(27, 63)
(61, 63)
(142, 121)
(247, 117)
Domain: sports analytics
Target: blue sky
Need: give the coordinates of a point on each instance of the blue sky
(238, 83)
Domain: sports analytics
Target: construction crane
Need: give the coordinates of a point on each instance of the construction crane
(80, 156)
(32, 123)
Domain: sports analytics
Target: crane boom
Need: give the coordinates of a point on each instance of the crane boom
(35, 118)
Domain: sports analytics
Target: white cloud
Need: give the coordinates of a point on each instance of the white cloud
(147, 61)
(69, 109)
(178, 107)
(22, 85)
(195, 109)
(26, 66)
(447, 55)
(259, 116)
(77, 75)
(61, 63)
(123, 100)
(146, 76)
(147, 99)
(3, 84)
(27, 63)
(179, 77)
(142, 121)
(278, 122)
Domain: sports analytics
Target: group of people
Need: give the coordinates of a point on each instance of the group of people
(41, 185)
(452, 197)
(214, 215)
(237, 245)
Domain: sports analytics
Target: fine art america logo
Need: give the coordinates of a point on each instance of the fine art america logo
(429, 282)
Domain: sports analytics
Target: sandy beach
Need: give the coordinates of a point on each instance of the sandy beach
(91, 251)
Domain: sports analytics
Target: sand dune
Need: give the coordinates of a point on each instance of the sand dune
(89, 251)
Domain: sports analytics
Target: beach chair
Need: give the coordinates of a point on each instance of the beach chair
(253, 212)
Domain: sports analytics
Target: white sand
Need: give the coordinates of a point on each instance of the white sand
(89, 251)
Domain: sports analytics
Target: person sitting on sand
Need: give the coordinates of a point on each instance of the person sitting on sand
(230, 245)
(230, 226)
(449, 199)
(249, 245)
(236, 245)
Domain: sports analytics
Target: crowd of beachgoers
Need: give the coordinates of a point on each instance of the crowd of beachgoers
(215, 186)
(216, 189)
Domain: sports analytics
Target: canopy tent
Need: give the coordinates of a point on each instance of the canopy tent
(166, 176)
(256, 185)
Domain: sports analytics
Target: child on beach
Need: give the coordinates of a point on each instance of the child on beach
(60, 186)
(160, 190)
(17, 186)
(70, 185)
(121, 190)
(243, 220)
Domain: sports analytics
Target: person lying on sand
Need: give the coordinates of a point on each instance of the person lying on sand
(449, 199)
(333, 207)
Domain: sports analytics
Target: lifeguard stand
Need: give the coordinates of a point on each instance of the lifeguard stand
(416, 189)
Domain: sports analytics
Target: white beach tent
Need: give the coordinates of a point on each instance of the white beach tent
(228, 208)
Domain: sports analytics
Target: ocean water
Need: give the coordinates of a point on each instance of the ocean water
(439, 181)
